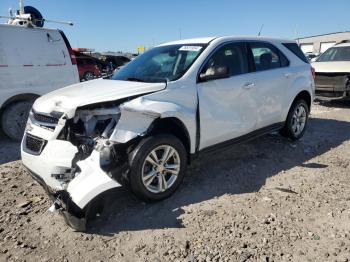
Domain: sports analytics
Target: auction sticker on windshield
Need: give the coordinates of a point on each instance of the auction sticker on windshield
(190, 48)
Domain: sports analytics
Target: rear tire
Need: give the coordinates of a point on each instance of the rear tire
(152, 181)
(14, 119)
(297, 120)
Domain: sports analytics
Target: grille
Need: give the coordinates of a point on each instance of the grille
(34, 145)
(331, 80)
(45, 119)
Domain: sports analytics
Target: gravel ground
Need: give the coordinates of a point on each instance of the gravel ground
(265, 200)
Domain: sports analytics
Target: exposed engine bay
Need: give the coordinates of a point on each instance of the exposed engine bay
(90, 129)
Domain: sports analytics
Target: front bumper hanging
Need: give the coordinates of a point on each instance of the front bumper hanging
(74, 216)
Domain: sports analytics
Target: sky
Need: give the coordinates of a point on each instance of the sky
(123, 25)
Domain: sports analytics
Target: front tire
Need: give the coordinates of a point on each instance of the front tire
(157, 167)
(14, 119)
(297, 120)
(89, 76)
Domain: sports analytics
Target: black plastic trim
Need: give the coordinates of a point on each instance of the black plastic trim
(244, 138)
(65, 39)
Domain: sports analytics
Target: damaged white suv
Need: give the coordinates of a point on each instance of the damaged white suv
(142, 127)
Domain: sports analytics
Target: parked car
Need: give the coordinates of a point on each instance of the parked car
(33, 62)
(333, 72)
(114, 60)
(88, 68)
(143, 127)
(310, 56)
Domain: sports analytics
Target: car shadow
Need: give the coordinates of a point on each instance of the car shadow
(341, 103)
(242, 169)
(9, 150)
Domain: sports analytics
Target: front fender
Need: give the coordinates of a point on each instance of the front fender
(137, 116)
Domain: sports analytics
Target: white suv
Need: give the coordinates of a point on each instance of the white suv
(142, 127)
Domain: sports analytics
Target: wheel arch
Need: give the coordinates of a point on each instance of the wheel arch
(88, 71)
(7, 106)
(172, 126)
(19, 98)
(305, 95)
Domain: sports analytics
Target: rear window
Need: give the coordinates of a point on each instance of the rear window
(295, 49)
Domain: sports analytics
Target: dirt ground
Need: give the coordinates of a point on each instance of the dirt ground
(265, 200)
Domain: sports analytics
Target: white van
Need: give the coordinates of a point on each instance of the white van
(33, 62)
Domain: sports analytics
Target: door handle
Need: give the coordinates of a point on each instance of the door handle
(248, 85)
(287, 75)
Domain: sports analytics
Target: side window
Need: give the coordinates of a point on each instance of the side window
(80, 62)
(267, 57)
(233, 56)
(284, 60)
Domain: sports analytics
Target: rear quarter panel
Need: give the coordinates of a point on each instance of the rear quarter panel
(302, 81)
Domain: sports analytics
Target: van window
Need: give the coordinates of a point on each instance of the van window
(233, 56)
(267, 57)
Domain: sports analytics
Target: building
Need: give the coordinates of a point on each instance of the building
(320, 43)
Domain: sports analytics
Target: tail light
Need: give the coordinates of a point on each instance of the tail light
(72, 56)
(313, 72)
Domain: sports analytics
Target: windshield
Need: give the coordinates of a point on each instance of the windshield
(335, 54)
(164, 63)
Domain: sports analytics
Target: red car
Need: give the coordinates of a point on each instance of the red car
(87, 68)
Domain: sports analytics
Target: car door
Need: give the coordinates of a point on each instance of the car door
(227, 108)
(271, 78)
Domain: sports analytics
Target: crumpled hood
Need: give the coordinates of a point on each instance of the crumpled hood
(332, 67)
(67, 99)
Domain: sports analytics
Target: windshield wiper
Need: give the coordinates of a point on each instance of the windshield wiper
(135, 79)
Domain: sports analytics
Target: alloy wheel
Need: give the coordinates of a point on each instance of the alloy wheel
(89, 76)
(160, 169)
(299, 120)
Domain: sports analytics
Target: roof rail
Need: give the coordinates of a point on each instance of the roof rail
(344, 41)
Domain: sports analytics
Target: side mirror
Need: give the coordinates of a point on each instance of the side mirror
(314, 59)
(214, 72)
